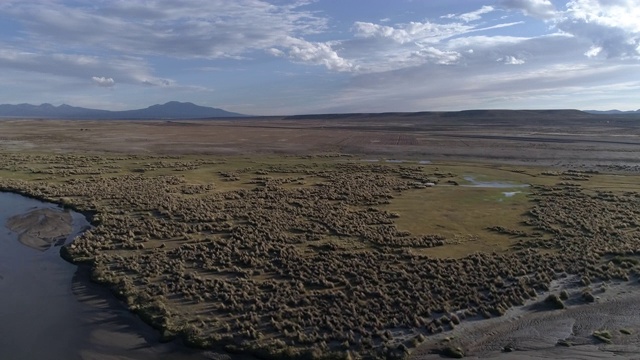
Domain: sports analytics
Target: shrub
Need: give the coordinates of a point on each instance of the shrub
(588, 296)
(554, 301)
(452, 352)
(603, 335)
(564, 295)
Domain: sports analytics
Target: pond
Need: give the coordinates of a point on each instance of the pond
(48, 307)
(473, 182)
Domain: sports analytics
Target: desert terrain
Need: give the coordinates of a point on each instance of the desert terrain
(550, 137)
(365, 236)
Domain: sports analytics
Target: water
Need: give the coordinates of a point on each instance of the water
(49, 309)
(492, 184)
(397, 161)
(511, 193)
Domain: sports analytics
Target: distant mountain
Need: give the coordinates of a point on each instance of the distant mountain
(613, 112)
(170, 110)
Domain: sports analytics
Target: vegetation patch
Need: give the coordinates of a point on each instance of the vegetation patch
(303, 257)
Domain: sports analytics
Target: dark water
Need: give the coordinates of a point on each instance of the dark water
(49, 309)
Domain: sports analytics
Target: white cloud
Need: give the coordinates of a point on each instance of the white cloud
(377, 48)
(423, 32)
(488, 86)
(511, 60)
(537, 8)
(443, 57)
(195, 29)
(485, 41)
(103, 81)
(471, 16)
(612, 26)
(318, 54)
(275, 52)
(130, 70)
(621, 14)
(593, 51)
(606, 27)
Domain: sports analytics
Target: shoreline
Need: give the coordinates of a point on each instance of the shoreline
(139, 339)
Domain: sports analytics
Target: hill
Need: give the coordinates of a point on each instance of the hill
(614, 112)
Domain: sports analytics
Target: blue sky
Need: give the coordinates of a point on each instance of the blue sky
(301, 56)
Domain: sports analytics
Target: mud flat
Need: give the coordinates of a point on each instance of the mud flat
(41, 228)
(567, 138)
(608, 328)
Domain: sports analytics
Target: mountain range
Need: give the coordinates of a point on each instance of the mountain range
(170, 110)
(187, 110)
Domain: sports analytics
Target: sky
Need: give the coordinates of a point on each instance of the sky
(281, 57)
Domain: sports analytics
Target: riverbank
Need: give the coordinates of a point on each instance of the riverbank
(112, 331)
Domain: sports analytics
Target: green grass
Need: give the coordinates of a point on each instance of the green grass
(462, 215)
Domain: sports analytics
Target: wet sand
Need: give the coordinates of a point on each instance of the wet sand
(534, 330)
(41, 228)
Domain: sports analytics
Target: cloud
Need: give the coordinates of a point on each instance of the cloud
(593, 51)
(423, 32)
(128, 69)
(471, 16)
(275, 52)
(103, 81)
(216, 29)
(488, 86)
(442, 57)
(543, 9)
(485, 41)
(511, 60)
(378, 48)
(318, 54)
(610, 26)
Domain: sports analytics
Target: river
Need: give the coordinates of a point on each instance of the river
(48, 307)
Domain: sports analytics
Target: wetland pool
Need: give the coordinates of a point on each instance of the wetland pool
(474, 182)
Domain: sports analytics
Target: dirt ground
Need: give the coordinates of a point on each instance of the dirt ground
(534, 332)
(539, 137)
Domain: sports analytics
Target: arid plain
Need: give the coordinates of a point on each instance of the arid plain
(375, 236)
